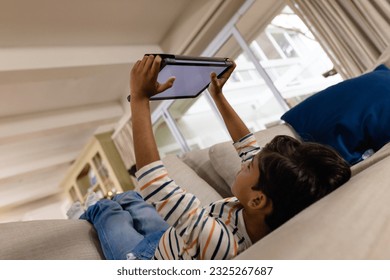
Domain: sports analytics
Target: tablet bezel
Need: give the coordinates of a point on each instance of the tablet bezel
(170, 59)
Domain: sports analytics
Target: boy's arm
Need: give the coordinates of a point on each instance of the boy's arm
(180, 209)
(236, 127)
(143, 85)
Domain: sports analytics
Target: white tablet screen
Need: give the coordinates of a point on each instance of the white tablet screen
(190, 81)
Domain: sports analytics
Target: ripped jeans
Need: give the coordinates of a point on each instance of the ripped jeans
(127, 226)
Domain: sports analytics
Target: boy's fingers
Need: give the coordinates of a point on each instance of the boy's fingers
(135, 66)
(229, 71)
(168, 84)
(214, 79)
(231, 68)
(143, 61)
(148, 62)
(233, 65)
(156, 65)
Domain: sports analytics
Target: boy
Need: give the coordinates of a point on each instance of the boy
(273, 185)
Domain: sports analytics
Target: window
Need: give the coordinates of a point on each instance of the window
(277, 64)
(264, 48)
(198, 123)
(165, 140)
(249, 94)
(296, 70)
(283, 43)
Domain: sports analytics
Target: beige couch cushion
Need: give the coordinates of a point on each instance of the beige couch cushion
(199, 161)
(353, 222)
(224, 157)
(77, 239)
(49, 240)
(379, 155)
(185, 177)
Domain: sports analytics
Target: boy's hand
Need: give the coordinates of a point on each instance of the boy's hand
(143, 78)
(216, 84)
(236, 127)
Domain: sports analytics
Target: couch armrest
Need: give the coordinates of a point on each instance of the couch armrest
(49, 240)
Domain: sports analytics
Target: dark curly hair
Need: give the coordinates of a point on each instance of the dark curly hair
(295, 174)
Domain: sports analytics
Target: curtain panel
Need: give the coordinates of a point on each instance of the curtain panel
(354, 33)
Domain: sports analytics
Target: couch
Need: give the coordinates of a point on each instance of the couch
(352, 222)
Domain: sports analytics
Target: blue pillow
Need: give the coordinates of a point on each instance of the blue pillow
(352, 116)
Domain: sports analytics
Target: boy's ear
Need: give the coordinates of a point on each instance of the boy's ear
(259, 201)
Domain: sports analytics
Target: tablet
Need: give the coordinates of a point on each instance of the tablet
(192, 74)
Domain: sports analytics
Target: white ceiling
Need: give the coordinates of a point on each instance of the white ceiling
(64, 75)
(87, 22)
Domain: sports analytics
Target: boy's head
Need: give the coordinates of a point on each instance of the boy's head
(294, 174)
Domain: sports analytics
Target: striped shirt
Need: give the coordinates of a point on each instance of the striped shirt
(213, 232)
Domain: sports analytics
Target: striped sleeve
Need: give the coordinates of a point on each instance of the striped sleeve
(200, 235)
(172, 202)
(247, 147)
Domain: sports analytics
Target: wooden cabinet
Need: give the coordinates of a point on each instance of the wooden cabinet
(99, 168)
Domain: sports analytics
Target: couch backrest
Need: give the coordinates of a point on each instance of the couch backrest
(224, 157)
(379, 155)
(185, 177)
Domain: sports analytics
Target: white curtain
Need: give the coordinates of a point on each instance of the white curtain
(354, 33)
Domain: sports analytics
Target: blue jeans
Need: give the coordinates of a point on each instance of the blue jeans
(126, 224)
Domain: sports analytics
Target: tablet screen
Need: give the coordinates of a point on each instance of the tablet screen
(191, 80)
(192, 74)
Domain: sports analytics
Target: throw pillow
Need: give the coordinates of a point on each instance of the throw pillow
(352, 116)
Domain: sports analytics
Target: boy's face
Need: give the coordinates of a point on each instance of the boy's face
(246, 178)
